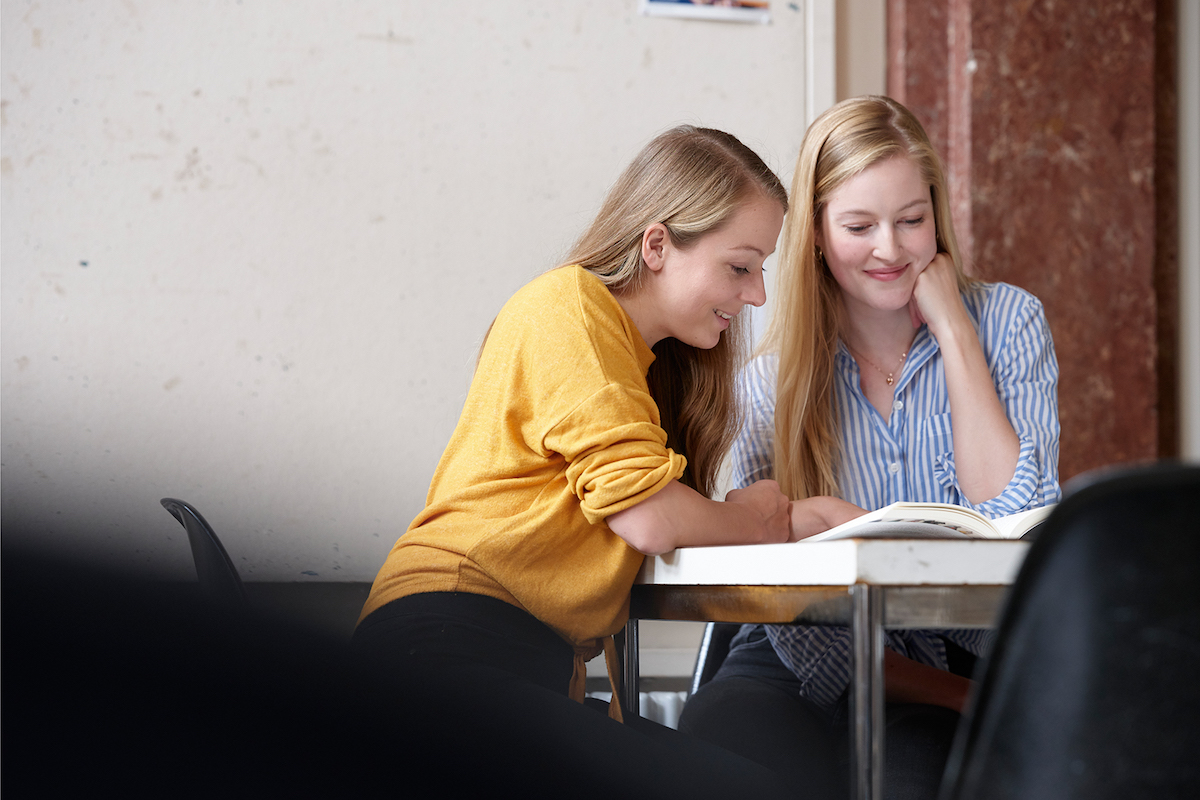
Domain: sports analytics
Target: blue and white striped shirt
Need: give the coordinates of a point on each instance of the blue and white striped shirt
(911, 457)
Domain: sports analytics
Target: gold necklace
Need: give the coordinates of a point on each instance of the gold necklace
(888, 376)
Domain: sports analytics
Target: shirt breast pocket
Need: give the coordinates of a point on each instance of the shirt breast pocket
(937, 438)
(937, 449)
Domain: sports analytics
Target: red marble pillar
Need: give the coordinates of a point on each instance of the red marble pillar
(919, 62)
(1056, 123)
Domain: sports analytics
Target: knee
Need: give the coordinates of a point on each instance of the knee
(721, 705)
(771, 726)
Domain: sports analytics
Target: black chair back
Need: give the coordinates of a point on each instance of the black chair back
(218, 576)
(1093, 687)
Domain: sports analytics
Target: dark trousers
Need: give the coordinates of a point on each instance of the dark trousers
(753, 707)
(481, 691)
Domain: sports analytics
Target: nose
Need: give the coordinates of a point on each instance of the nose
(887, 248)
(756, 293)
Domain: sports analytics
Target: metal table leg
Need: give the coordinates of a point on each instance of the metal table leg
(866, 695)
(630, 696)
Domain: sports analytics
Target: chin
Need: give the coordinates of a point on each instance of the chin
(702, 344)
(894, 300)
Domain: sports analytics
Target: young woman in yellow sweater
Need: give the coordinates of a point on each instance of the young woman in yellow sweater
(601, 407)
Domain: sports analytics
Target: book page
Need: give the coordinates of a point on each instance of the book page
(889, 529)
(957, 518)
(1014, 526)
(953, 520)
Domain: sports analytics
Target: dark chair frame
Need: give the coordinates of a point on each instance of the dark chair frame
(714, 646)
(218, 576)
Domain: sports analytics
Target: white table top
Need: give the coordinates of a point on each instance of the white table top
(883, 562)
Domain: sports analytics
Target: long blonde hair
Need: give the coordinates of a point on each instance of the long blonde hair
(804, 327)
(691, 180)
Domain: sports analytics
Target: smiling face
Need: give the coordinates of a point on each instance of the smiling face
(692, 293)
(877, 232)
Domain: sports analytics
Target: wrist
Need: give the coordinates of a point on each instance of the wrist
(951, 333)
(945, 314)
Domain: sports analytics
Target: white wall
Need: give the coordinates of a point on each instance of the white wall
(861, 47)
(250, 248)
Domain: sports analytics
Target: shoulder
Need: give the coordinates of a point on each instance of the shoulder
(1011, 322)
(992, 298)
(556, 302)
(763, 368)
(1000, 308)
(565, 294)
(757, 381)
(549, 289)
(567, 320)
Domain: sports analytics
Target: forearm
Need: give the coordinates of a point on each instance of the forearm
(985, 445)
(908, 681)
(677, 516)
(818, 514)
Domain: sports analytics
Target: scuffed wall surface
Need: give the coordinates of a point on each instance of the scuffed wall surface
(250, 248)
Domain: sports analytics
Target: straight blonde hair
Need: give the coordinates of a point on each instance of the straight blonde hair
(805, 326)
(692, 180)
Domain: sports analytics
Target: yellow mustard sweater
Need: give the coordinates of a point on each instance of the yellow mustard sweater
(558, 432)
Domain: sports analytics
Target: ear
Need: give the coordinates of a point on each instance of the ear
(654, 243)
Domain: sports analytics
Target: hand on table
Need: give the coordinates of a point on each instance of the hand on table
(818, 514)
(771, 506)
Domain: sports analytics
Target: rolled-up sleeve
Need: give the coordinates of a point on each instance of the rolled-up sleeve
(615, 450)
(819, 657)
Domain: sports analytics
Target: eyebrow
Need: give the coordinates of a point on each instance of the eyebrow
(856, 211)
(749, 247)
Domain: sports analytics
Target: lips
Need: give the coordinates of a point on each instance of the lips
(887, 273)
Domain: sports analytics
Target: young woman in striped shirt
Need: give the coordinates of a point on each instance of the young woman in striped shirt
(885, 375)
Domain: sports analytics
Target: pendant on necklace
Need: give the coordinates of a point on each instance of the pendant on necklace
(889, 377)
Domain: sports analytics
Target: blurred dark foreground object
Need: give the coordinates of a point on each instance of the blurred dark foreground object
(114, 685)
(1093, 687)
(118, 686)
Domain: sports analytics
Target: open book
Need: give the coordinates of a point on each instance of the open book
(934, 520)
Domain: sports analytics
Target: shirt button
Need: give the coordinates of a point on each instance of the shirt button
(896, 406)
(893, 467)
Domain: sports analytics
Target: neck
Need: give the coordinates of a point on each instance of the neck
(640, 310)
(883, 335)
